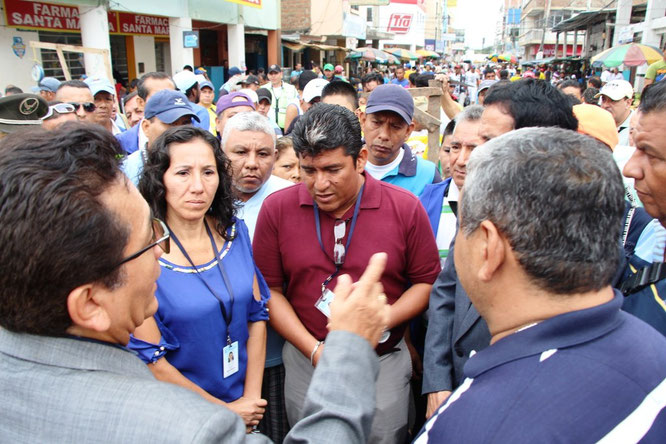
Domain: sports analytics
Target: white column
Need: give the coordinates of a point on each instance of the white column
(622, 18)
(655, 9)
(179, 56)
(95, 34)
(236, 44)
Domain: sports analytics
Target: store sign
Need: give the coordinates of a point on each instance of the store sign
(253, 3)
(399, 23)
(353, 26)
(37, 15)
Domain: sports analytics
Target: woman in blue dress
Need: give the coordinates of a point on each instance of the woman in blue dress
(212, 298)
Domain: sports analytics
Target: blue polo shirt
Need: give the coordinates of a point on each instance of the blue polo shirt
(584, 376)
(413, 173)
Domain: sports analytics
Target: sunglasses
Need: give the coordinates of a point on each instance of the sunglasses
(160, 238)
(60, 108)
(87, 106)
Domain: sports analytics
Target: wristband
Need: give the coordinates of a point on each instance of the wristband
(314, 351)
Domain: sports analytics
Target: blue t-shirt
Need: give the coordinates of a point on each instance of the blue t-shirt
(193, 329)
(404, 82)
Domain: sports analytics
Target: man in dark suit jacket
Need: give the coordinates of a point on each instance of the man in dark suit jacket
(80, 256)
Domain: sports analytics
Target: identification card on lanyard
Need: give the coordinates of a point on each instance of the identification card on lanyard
(230, 351)
(327, 296)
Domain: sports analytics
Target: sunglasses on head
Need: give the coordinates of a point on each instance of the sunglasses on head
(87, 106)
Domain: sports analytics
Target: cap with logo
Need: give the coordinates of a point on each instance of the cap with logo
(274, 68)
(47, 84)
(264, 94)
(168, 106)
(391, 98)
(20, 111)
(97, 85)
(233, 100)
(328, 67)
(184, 80)
(313, 89)
(616, 90)
(251, 80)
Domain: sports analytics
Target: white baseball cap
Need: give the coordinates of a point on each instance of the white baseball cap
(313, 89)
(616, 90)
(184, 80)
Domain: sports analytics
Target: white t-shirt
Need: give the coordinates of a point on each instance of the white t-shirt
(249, 210)
(379, 171)
(446, 229)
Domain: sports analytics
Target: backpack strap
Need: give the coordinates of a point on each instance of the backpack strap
(651, 274)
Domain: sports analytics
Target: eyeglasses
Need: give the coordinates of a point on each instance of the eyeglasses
(87, 106)
(339, 230)
(160, 237)
(60, 108)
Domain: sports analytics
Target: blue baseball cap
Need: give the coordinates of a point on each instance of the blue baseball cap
(206, 84)
(47, 84)
(98, 85)
(234, 70)
(168, 106)
(391, 98)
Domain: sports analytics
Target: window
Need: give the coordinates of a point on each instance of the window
(369, 14)
(50, 62)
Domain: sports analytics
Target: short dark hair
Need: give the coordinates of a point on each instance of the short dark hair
(422, 80)
(372, 77)
(570, 84)
(504, 74)
(589, 96)
(11, 89)
(129, 97)
(56, 233)
(653, 98)
(449, 128)
(533, 102)
(141, 86)
(594, 81)
(304, 78)
(73, 84)
(340, 88)
(412, 78)
(327, 127)
(151, 182)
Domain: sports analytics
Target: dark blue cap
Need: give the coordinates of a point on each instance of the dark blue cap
(168, 106)
(391, 98)
(234, 70)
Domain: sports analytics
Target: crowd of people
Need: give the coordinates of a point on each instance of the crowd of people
(278, 259)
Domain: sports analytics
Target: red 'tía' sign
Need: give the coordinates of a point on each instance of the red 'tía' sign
(399, 23)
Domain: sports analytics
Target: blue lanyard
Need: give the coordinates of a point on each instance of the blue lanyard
(226, 315)
(357, 208)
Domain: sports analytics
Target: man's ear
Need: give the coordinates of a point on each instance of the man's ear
(493, 248)
(84, 308)
(361, 159)
(409, 131)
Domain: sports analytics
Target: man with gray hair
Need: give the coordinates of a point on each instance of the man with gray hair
(537, 262)
(248, 140)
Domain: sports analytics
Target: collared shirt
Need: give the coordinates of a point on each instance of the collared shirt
(249, 210)
(287, 251)
(623, 130)
(584, 376)
(413, 173)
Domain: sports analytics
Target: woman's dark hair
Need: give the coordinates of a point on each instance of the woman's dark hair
(151, 183)
(56, 232)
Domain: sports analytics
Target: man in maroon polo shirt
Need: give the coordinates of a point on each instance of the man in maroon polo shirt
(331, 224)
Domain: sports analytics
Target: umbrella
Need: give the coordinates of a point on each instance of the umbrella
(630, 54)
(402, 54)
(372, 55)
(507, 58)
(493, 58)
(428, 54)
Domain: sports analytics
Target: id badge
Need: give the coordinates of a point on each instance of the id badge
(324, 301)
(230, 359)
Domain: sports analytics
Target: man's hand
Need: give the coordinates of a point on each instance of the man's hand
(435, 399)
(444, 79)
(251, 410)
(361, 308)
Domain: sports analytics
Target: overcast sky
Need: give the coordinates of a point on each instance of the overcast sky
(479, 19)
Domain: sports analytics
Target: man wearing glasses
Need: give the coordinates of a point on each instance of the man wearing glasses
(80, 260)
(331, 223)
(78, 94)
(58, 114)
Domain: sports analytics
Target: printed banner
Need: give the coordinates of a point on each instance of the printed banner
(37, 15)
